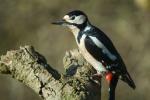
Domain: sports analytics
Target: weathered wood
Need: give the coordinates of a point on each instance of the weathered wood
(29, 67)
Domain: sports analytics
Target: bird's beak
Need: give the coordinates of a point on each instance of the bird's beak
(60, 22)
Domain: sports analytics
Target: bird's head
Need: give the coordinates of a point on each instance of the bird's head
(73, 20)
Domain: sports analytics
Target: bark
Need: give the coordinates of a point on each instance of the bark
(31, 68)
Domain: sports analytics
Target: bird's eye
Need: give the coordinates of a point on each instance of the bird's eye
(72, 18)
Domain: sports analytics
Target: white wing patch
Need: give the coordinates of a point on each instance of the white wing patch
(104, 49)
(87, 28)
(96, 64)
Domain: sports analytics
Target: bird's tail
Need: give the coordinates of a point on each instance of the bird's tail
(127, 78)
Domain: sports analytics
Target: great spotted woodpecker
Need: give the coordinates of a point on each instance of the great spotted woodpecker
(97, 49)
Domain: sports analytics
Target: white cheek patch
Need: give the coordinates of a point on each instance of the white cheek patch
(78, 19)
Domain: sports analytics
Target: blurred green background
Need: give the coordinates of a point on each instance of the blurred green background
(126, 22)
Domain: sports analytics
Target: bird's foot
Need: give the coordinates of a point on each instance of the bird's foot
(96, 78)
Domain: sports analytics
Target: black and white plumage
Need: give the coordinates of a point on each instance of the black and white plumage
(97, 49)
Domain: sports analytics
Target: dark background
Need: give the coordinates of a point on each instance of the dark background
(126, 22)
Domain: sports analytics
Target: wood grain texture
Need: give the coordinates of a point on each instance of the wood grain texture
(29, 67)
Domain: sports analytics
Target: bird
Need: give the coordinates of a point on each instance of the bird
(98, 50)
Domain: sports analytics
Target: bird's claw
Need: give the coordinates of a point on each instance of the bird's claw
(96, 78)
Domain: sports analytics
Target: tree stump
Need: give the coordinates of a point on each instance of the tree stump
(29, 67)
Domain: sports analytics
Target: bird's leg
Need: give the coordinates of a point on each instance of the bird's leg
(112, 85)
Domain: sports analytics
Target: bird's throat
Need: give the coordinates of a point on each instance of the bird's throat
(74, 30)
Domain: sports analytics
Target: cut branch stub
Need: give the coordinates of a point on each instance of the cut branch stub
(79, 73)
(31, 68)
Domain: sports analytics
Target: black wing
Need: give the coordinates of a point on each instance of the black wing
(97, 53)
(116, 65)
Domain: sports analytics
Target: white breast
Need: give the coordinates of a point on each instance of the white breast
(96, 64)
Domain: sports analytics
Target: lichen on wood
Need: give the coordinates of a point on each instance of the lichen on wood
(29, 67)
